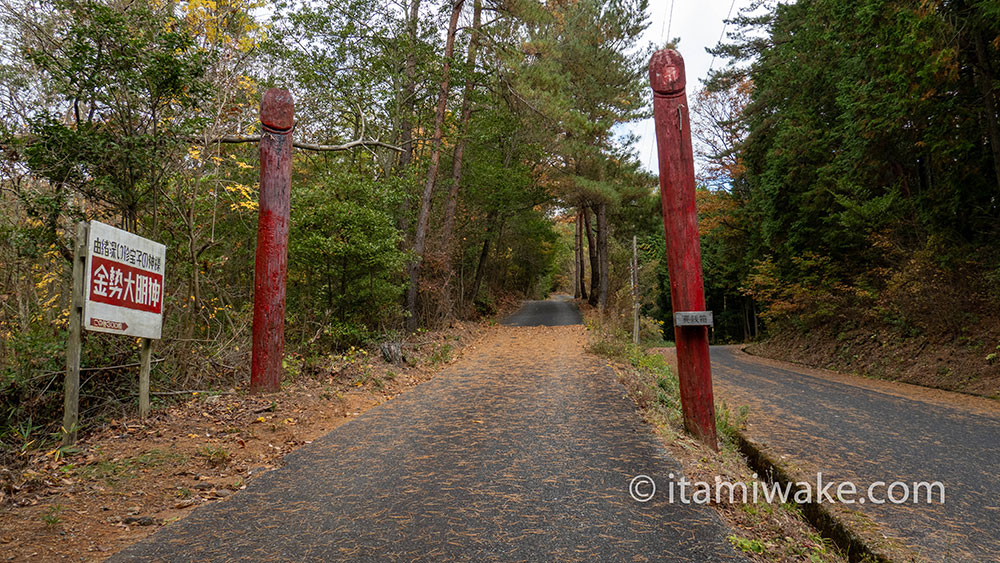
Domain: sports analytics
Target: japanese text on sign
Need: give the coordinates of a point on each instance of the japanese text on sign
(125, 286)
(124, 283)
(125, 254)
(693, 318)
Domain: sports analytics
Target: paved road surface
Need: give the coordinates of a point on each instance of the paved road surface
(522, 451)
(558, 311)
(857, 429)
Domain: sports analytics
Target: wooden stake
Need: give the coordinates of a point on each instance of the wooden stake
(145, 353)
(71, 385)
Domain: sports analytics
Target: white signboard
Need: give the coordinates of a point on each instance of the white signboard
(123, 283)
(693, 318)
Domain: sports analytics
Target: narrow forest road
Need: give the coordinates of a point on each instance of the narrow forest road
(521, 451)
(557, 311)
(861, 430)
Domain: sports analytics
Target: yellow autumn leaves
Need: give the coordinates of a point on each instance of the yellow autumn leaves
(245, 197)
(226, 22)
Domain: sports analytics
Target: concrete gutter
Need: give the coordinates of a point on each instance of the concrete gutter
(827, 522)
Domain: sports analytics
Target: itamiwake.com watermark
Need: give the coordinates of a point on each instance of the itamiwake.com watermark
(643, 488)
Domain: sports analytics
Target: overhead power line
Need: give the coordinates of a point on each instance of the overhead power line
(725, 22)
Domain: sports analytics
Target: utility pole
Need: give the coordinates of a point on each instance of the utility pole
(680, 220)
(635, 291)
(277, 117)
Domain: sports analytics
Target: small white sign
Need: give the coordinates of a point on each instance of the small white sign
(123, 283)
(693, 318)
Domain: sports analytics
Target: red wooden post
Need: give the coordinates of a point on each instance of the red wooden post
(680, 220)
(277, 115)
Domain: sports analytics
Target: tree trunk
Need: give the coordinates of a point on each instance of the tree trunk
(498, 252)
(577, 273)
(989, 101)
(580, 264)
(595, 268)
(746, 319)
(406, 104)
(602, 250)
(456, 163)
(194, 284)
(420, 236)
(483, 256)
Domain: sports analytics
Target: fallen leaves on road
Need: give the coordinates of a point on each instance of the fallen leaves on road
(131, 477)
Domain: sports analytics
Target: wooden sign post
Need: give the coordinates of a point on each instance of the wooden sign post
(277, 117)
(71, 383)
(117, 288)
(680, 221)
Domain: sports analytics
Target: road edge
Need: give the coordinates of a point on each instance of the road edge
(855, 546)
(744, 348)
(965, 402)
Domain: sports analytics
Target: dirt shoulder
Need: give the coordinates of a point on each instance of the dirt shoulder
(132, 476)
(966, 364)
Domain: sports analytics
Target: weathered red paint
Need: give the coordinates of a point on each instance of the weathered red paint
(277, 116)
(680, 221)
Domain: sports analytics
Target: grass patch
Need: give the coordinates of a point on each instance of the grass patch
(216, 457)
(441, 355)
(767, 532)
(746, 545)
(115, 471)
(53, 516)
(654, 385)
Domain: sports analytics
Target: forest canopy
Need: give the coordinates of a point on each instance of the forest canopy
(443, 148)
(854, 152)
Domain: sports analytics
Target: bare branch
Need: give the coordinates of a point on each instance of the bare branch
(233, 139)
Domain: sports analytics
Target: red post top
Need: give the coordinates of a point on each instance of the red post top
(666, 73)
(277, 109)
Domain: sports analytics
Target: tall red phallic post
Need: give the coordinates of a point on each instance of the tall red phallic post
(680, 220)
(277, 117)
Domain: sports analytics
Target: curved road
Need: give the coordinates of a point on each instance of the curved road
(521, 451)
(558, 311)
(862, 430)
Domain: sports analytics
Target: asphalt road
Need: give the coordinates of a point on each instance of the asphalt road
(558, 311)
(861, 430)
(521, 451)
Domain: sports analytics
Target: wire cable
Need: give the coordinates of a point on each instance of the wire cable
(670, 22)
(725, 22)
(667, 23)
